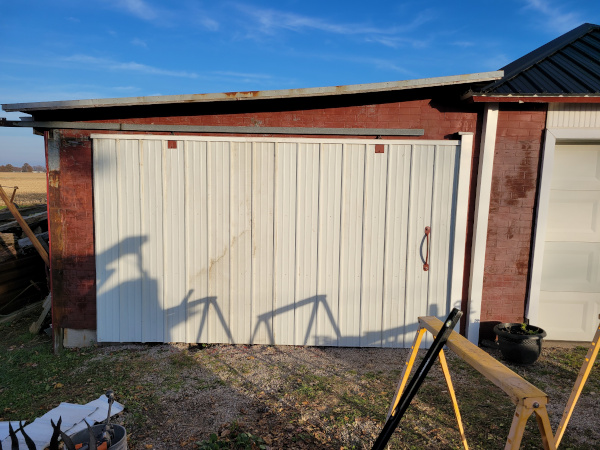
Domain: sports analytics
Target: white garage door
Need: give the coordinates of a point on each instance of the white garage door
(275, 241)
(570, 285)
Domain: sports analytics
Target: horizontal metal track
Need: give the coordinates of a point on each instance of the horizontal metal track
(53, 125)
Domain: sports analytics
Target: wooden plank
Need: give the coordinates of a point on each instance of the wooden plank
(512, 384)
(31, 220)
(15, 212)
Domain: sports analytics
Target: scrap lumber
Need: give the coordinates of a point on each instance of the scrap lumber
(21, 312)
(31, 220)
(15, 212)
(37, 325)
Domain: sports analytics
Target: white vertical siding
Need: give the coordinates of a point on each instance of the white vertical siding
(307, 213)
(240, 243)
(219, 241)
(353, 170)
(174, 269)
(326, 329)
(397, 213)
(271, 241)
(285, 243)
(416, 301)
(573, 115)
(130, 238)
(263, 184)
(106, 239)
(195, 240)
(152, 241)
(440, 249)
(373, 247)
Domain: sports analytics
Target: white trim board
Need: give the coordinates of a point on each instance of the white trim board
(480, 225)
(553, 135)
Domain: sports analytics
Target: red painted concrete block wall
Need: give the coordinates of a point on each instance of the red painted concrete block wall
(514, 189)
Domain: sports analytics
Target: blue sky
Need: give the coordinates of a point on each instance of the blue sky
(73, 49)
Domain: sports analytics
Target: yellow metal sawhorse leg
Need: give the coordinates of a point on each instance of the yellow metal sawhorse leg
(406, 372)
(527, 398)
(584, 373)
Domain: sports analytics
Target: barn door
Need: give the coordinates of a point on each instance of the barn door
(276, 241)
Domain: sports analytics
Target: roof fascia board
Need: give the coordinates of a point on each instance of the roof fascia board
(256, 95)
(532, 99)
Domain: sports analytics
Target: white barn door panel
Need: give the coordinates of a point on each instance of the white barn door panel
(276, 241)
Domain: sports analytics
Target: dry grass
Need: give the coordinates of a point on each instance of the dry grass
(32, 187)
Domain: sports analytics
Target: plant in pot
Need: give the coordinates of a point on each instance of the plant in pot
(519, 343)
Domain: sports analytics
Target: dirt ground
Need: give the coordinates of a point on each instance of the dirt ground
(32, 187)
(336, 398)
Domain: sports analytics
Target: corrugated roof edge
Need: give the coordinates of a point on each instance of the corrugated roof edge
(255, 95)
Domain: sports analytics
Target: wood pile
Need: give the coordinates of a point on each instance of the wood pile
(22, 270)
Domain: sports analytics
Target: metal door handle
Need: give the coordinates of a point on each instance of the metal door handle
(426, 265)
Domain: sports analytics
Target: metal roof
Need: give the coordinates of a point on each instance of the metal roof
(255, 95)
(568, 65)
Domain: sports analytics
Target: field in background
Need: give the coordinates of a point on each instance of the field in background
(32, 187)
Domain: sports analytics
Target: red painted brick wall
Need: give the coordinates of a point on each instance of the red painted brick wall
(71, 200)
(514, 189)
(70, 204)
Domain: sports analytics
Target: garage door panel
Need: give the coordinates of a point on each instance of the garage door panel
(570, 280)
(574, 216)
(578, 167)
(571, 320)
(571, 266)
(305, 242)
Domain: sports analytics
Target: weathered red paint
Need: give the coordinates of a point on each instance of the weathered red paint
(512, 209)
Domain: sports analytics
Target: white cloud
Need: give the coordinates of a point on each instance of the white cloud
(139, 43)
(269, 21)
(131, 66)
(555, 18)
(138, 8)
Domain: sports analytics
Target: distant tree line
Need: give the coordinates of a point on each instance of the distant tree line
(26, 168)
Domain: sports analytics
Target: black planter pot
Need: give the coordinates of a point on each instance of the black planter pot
(519, 348)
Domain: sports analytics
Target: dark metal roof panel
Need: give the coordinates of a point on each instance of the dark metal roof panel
(570, 64)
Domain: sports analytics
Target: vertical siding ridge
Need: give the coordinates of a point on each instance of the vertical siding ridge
(297, 145)
(385, 245)
(362, 243)
(339, 262)
(408, 233)
(274, 242)
(315, 323)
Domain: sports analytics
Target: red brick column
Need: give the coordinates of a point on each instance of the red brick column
(512, 209)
